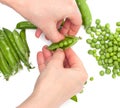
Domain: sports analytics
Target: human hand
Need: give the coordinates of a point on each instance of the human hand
(48, 15)
(62, 75)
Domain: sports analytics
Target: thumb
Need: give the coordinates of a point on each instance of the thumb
(58, 58)
(52, 32)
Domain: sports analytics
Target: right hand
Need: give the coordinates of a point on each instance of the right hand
(48, 15)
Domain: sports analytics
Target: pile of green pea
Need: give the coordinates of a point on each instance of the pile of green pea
(14, 52)
(105, 47)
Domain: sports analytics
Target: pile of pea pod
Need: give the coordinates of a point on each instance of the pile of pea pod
(14, 52)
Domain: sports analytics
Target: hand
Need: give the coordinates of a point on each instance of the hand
(62, 75)
(48, 15)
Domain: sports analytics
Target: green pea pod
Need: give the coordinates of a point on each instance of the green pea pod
(21, 56)
(6, 33)
(25, 25)
(4, 67)
(67, 42)
(23, 37)
(6, 50)
(85, 12)
(20, 44)
(74, 98)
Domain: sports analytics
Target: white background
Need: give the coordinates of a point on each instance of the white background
(103, 92)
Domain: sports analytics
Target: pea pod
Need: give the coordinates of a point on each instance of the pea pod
(25, 25)
(85, 12)
(23, 37)
(20, 44)
(6, 50)
(21, 56)
(67, 42)
(5, 33)
(4, 67)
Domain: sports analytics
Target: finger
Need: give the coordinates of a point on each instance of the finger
(52, 33)
(76, 22)
(38, 33)
(46, 37)
(66, 64)
(47, 54)
(65, 27)
(59, 24)
(57, 59)
(40, 61)
(72, 58)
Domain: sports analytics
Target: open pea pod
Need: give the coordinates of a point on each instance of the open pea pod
(63, 44)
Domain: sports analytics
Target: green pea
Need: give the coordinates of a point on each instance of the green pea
(94, 40)
(98, 33)
(110, 60)
(100, 62)
(110, 49)
(88, 30)
(118, 30)
(65, 43)
(102, 28)
(98, 26)
(114, 57)
(117, 23)
(91, 78)
(93, 45)
(90, 52)
(102, 73)
(97, 21)
(107, 55)
(118, 54)
(97, 46)
(107, 71)
(115, 71)
(93, 29)
(102, 57)
(97, 58)
(60, 44)
(102, 42)
(118, 73)
(89, 41)
(113, 76)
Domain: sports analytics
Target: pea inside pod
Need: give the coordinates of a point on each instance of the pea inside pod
(63, 44)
